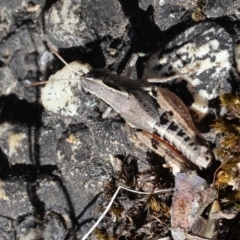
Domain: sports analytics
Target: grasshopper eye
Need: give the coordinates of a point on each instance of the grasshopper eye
(100, 74)
(91, 74)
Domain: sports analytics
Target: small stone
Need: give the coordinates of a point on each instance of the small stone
(75, 23)
(60, 94)
(205, 54)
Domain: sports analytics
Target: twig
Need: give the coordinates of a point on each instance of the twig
(111, 202)
(215, 173)
(55, 52)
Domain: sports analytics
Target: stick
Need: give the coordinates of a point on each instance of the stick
(111, 202)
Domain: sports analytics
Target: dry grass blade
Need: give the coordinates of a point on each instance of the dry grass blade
(111, 202)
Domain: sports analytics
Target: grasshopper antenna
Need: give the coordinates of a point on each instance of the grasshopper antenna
(56, 53)
(167, 79)
(59, 57)
(36, 84)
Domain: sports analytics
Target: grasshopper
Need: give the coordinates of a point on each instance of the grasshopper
(140, 111)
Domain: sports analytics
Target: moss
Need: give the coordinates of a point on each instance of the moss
(198, 14)
(101, 234)
(228, 148)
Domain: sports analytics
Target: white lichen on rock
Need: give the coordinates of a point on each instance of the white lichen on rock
(205, 56)
(15, 142)
(60, 94)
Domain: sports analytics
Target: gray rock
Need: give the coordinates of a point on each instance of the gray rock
(205, 53)
(75, 23)
(6, 228)
(52, 226)
(14, 199)
(168, 13)
(14, 13)
(216, 9)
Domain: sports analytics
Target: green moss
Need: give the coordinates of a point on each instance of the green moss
(228, 148)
